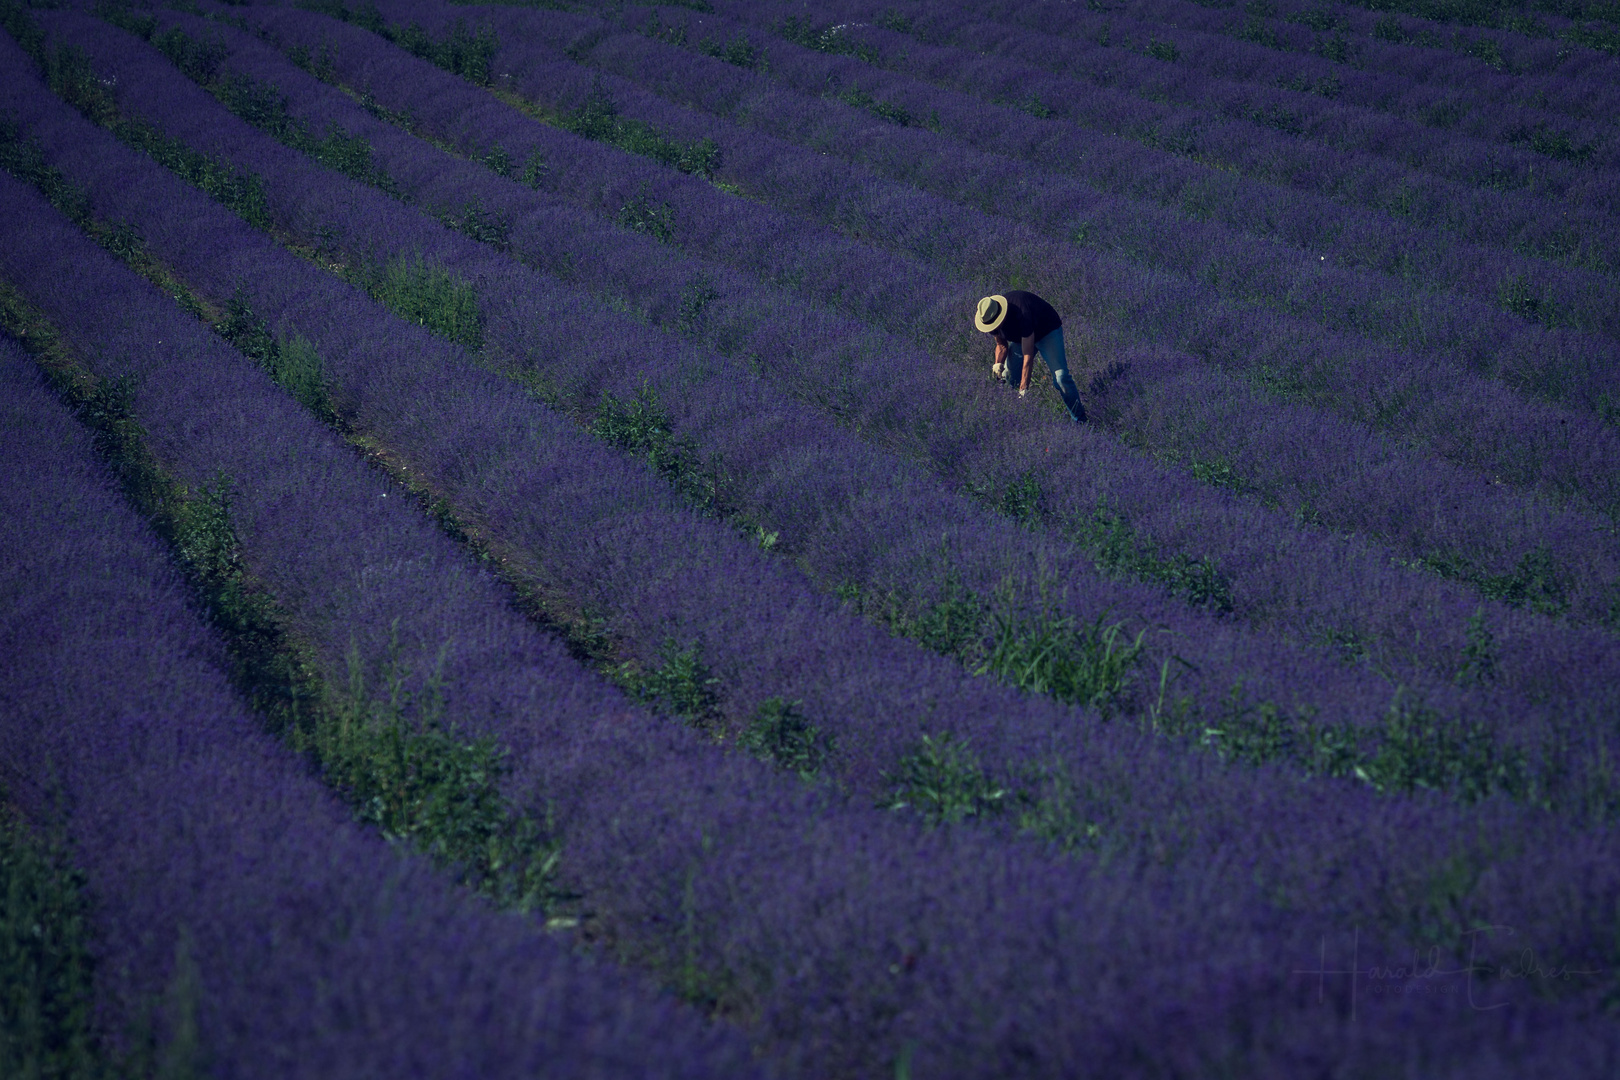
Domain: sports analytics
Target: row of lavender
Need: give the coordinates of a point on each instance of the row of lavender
(776, 897)
(1313, 470)
(1348, 242)
(1414, 397)
(1566, 37)
(1164, 91)
(239, 919)
(1371, 103)
(125, 78)
(1296, 476)
(1570, 39)
(1351, 237)
(578, 454)
(1449, 186)
(857, 528)
(1472, 330)
(1571, 82)
(844, 516)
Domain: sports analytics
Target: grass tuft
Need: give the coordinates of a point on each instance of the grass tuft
(1049, 652)
(428, 295)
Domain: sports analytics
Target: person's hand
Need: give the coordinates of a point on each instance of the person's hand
(999, 370)
(1022, 390)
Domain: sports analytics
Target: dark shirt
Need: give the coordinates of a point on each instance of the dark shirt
(1029, 318)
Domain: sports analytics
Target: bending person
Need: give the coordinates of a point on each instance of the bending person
(1025, 318)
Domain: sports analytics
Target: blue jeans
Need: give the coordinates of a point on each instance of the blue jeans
(1051, 349)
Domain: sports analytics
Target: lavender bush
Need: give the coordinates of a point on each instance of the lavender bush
(1152, 55)
(1338, 41)
(1398, 243)
(242, 926)
(729, 884)
(866, 545)
(1417, 400)
(1189, 925)
(1376, 506)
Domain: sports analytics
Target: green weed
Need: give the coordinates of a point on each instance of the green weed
(1420, 749)
(641, 426)
(294, 364)
(1536, 581)
(1336, 48)
(1552, 143)
(640, 215)
(738, 51)
(598, 118)
(1022, 500)
(474, 220)
(696, 296)
(1046, 651)
(468, 53)
(884, 110)
(1117, 547)
(1257, 31)
(943, 781)
(828, 39)
(780, 733)
(681, 685)
(1218, 472)
(890, 19)
(409, 773)
(429, 296)
(498, 161)
(1479, 655)
(1389, 28)
(674, 33)
(1321, 20)
(536, 171)
(1051, 808)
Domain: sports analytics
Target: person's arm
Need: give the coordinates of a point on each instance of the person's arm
(1029, 362)
(1001, 356)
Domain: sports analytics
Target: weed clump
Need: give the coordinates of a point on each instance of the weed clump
(294, 363)
(943, 781)
(598, 118)
(641, 426)
(1046, 651)
(429, 296)
(640, 215)
(680, 684)
(406, 771)
(834, 40)
(780, 733)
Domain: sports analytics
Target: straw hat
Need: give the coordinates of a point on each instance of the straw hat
(992, 309)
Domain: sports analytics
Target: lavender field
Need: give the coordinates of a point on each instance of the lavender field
(517, 563)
